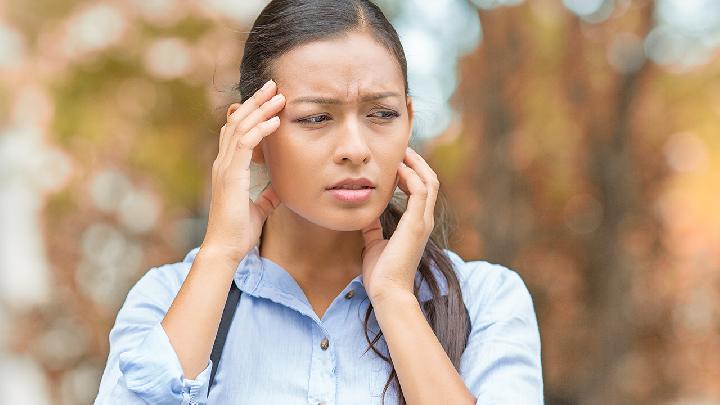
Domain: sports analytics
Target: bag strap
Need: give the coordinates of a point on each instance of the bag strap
(227, 316)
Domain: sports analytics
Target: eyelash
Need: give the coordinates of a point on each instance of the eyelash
(390, 115)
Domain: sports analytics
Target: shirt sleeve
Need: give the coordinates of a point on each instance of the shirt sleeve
(501, 363)
(142, 366)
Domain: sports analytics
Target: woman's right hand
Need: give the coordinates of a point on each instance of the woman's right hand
(235, 222)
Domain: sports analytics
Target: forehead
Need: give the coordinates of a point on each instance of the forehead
(345, 67)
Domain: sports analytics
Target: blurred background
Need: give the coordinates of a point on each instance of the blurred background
(577, 143)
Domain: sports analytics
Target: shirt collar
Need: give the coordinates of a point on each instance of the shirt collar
(261, 276)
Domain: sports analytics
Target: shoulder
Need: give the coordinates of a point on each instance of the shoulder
(159, 285)
(501, 362)
(169, 275)
(492, 291)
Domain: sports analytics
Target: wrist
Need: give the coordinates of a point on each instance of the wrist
(391, 297)
(230, 254)
(393, 305)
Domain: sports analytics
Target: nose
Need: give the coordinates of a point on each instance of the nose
(351, 144)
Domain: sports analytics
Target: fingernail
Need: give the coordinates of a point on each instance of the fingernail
(409, 150)
(267, 84)
(276, 97)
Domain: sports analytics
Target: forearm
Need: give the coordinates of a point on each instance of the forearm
(425, 372)
(192, 320)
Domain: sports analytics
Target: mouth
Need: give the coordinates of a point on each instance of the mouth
(355, 191)
(360, 183)
(355, 196)
(351, 188)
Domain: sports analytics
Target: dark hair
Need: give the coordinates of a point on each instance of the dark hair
(285, 24)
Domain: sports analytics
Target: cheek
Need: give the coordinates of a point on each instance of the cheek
(292, 163)
(388, 155)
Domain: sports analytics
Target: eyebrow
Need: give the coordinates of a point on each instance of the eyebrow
(328, 100)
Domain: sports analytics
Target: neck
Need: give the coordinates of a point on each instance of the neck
(310, 252)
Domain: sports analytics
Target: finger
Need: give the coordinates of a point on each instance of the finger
(267, 201)
(429, 178)
(243, 147)
(254, 102)
(258, 98)
(372, 233)
(264, 112)
(411, 184)
(222, 142)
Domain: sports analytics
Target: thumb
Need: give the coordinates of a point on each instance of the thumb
(267, 202)
(372, 233)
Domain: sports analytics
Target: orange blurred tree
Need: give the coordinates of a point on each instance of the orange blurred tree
(555, 170)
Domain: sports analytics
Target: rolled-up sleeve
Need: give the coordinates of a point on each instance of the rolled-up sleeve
(142, 365)
(502, 360)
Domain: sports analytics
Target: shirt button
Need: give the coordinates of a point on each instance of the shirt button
(324, 343)
(349, 294)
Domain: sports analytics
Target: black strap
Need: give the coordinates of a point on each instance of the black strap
(227, 316)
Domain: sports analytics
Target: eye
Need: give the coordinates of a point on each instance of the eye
(385, 114)
(315, 119)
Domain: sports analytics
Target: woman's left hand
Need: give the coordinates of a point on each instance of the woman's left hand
(389, 266)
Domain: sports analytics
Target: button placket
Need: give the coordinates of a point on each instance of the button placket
(322, 384)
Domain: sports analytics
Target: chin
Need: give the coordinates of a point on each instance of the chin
(338, 219)
(349, 221)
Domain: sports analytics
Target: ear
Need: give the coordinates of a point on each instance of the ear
(257, 154)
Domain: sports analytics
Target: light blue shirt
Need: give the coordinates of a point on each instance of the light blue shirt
(273, 352)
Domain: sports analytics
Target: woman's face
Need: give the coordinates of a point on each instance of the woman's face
(346, 116)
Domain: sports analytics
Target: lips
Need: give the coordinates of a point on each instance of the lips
(351, 196)
(350, 187)
(352, 184)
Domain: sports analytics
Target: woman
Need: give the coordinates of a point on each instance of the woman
(346, 297)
